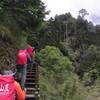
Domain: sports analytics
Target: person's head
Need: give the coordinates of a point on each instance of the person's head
(7, 65)
(29, 46)
(7, 70)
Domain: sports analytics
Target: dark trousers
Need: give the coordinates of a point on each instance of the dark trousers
(21, 73)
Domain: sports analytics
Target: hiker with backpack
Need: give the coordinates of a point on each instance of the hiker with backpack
(31, 52)
(9, 88)
(22, 56)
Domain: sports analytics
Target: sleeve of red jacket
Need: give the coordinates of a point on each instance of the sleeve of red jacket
(19, 92)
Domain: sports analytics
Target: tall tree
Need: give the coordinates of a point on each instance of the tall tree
(83, 13)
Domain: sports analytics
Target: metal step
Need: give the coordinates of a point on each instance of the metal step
(30, 85)
(34, 72)
(30, 73)
(28, 89)
(31, 68)
(30, 96)
(31, 77)
(30, 80)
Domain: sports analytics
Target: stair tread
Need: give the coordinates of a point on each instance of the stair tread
(30, 83)
(30, 78)
(32, 69)
(30, 89)
(30, 95)
(31, 72)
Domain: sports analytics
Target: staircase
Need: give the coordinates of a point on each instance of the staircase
(31, 84)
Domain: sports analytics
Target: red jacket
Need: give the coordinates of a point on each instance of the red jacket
(22, 57)
(7, 88)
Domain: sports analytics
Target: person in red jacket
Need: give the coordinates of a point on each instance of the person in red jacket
(31, 52)
(22, 56)
(9, 88)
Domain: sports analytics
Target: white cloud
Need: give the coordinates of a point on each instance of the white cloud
(73, 6)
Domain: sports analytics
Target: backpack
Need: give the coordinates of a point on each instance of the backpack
(7, 87)
(22, 57)
(30, 50)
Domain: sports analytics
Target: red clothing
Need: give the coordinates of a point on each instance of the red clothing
(22, 57)
(7, 88)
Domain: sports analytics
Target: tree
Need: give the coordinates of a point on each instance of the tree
(51, 58)
(83, 13)
(57, 80)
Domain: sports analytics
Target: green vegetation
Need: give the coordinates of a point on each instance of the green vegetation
(68, 49)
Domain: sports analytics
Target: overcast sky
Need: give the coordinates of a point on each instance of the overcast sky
(73, 6)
